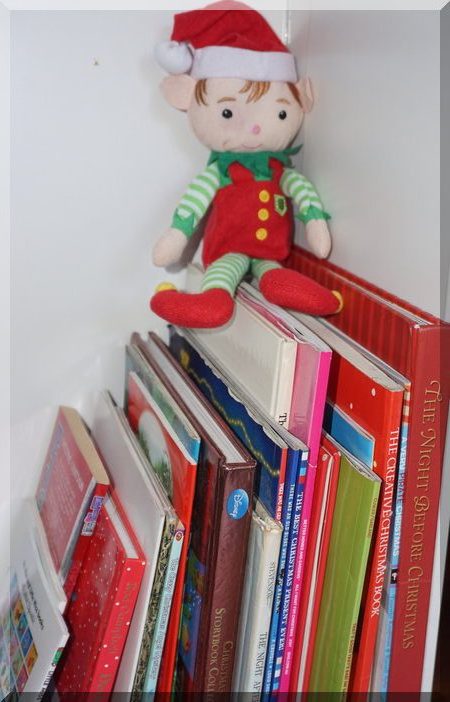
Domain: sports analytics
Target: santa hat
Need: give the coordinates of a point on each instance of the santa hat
(226, 40)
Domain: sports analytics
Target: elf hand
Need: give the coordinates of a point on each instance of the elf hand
(318, 237)
(169, 248)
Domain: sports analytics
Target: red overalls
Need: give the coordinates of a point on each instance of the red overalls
(249, 216)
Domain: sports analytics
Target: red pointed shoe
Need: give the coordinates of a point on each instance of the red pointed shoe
(288, 288)
(212, 308)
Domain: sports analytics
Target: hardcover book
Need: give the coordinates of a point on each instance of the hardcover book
(251, 347)
(183, 474)
(417, 345)
(260, 575)
(219, 535)
(100, 611)
(316, 560)
(364, 416)
(144, 500)
(70, 493)
(353, 519)
(261, 434)
(33, 632)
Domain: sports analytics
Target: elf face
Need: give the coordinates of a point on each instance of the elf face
(231, 114)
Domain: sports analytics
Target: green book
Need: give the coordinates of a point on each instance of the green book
(353, 521)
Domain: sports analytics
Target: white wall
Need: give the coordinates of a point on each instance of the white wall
(98, 164)
(4, 284)
(372, 143)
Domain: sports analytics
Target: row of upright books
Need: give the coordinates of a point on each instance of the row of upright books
(259, 518)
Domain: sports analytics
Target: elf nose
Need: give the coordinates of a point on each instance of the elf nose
(256, 129)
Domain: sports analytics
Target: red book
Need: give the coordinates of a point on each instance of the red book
(70, 493)
(101, 608)
(316, 560)
(417, 345)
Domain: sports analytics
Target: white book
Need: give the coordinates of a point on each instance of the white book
(32, 625)
(260, 355)
(256, 610)
(146, 504)
(162, 620)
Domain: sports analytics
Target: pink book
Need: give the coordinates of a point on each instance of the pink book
(306, 418)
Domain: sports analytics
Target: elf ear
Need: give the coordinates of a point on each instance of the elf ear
(178, 91)
(304, 88)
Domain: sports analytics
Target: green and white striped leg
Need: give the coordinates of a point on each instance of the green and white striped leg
(226, 273)
(259, 267)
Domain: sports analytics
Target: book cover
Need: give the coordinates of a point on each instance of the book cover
(251, 347)
(415, 344)
(364, 415)
(260, 577)
(353, 520)
(33, 632)
(144, 500)
(219, 535)
(307, 410)
(100, 611)
(70, 493)
(316, 560)
(183, 482)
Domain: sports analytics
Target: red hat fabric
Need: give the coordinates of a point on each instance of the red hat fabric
(226, 40)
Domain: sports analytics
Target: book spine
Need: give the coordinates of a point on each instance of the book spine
(364, 559)
(386, 454)
(296, 537)
(113, 642)
(288, 505)
(302, 671)
(285, 379)
(429, 412)
(87, 530)
(261, 585)
(298, 581)
(395, 548)
(219, 632)
(151, 676)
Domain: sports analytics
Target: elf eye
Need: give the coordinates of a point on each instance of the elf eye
(227, 114)
(282, 114)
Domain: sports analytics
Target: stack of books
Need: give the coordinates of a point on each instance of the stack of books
(259, 517)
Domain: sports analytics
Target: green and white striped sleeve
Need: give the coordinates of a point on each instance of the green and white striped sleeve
(196, 200)
(304, 195)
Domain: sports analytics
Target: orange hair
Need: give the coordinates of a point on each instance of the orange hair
(256, 88)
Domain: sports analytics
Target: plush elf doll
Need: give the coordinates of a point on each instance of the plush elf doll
(239, 86)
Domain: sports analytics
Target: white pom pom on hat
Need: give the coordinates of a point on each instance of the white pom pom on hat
(175, 57)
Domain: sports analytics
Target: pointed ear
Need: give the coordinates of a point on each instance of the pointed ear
(304, 88)
(178, 91)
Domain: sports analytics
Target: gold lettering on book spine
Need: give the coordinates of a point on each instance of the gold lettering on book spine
(428, 435)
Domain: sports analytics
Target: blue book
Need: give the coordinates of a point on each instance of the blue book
(266, 440)
(286, 518)
(349, 434)
(289, 575)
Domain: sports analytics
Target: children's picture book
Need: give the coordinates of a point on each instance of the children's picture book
(415, 344)
(251, 347)
(219, 535)
(146, 504)
(316, 560)
(102, 605)
(33, 632)
(185, 446)
(281, 492)
(72, 486)
(353, 519)
(259, 589)
(364, 415)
